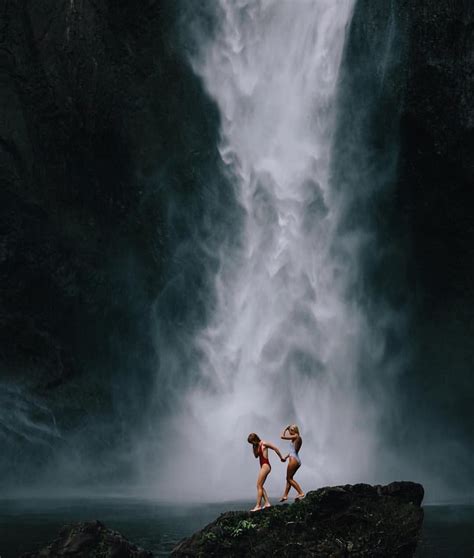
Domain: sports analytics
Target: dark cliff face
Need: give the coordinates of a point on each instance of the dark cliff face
(435, 201)
(108, 164)
(102, 123)
(414, 62)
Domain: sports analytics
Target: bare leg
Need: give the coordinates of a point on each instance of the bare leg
(285, 494)
(293, 466)
(297, 487)
(265, 499)
(261, 493)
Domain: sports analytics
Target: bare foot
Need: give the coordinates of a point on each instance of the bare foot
(300, 497)
(256, 508)
(283, 498)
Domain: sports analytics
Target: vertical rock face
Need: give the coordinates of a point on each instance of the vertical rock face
(414, 63)
(435, 199)
(101, 124)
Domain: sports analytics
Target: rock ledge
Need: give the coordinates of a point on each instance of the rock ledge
(333, 522)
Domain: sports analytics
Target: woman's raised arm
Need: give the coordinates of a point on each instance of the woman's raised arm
(285, 436)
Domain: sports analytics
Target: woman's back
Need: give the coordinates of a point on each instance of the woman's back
(297, 443)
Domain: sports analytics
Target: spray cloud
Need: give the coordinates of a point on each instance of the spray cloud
(287, 332)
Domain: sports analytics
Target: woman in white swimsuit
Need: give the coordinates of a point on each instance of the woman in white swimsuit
(292, 433)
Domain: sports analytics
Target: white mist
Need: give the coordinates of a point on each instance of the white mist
(286, 337)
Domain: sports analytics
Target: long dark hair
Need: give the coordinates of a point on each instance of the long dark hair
(255, 441)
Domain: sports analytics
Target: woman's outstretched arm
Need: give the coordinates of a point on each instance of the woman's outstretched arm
(275, 449)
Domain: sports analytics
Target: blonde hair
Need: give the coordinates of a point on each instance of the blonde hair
(295, 428)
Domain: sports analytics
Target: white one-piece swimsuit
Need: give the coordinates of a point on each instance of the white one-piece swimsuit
(294, 453)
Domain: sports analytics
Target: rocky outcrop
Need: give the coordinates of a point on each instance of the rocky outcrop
(89, 540)
(341, 521)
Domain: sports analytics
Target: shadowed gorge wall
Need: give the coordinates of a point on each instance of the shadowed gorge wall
(434, 199)
(90, 151)
(111, 188)
(426, 260)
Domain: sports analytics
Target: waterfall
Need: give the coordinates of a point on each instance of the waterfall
(285, 340)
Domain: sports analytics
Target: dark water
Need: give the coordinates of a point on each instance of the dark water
(27, 525)
(448, 532)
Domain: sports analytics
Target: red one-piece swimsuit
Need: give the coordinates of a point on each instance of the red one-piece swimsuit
(262, 458)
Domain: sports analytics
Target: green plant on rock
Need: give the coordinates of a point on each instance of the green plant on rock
(209, 537)
(241, 527)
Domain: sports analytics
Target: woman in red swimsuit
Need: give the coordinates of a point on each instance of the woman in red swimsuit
(260, 450)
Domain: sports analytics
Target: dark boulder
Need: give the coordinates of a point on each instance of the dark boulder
(341, 521)
(89, 540)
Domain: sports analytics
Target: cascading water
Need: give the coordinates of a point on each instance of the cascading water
(285, 340)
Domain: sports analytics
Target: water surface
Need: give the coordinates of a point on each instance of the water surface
(27, 525)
